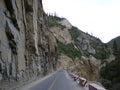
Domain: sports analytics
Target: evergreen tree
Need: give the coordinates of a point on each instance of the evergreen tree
(115, 48)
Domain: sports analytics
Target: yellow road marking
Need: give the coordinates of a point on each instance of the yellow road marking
(53, 83)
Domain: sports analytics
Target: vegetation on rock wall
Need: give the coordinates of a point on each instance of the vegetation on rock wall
(53, 20)
(101, 52)
(69, 50)
(74, 32)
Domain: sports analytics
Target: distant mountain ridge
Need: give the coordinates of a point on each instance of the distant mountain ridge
(117, 39)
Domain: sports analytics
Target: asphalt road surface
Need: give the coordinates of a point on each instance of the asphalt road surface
(58, 81)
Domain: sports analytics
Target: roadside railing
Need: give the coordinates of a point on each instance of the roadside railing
(84, 83)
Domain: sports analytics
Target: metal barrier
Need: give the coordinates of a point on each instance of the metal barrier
(84, 83)
(93, 86)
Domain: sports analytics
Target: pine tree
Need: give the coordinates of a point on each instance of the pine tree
(115, 48)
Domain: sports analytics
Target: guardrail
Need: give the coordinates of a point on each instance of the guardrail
(84, 83)
(93, 86)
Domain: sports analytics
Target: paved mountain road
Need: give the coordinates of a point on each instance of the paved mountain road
(57, 81)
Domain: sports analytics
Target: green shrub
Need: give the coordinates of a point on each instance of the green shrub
(52, 21)
(69, 50)
(75, 32)
(102, 51)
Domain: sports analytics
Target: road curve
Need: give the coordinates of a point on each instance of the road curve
(58, 81)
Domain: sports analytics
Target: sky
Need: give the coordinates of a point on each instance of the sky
(100, 18)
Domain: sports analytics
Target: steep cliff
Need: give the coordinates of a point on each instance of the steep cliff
(27, 47)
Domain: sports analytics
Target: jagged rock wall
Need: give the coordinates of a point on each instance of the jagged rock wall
(61, 35)
(27, 47)
(84, 41)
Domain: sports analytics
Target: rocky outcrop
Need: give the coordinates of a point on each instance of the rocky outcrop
(27, 47)
(66, 23)
(61, 32)
(83, 67)
(61, 35)
(84, 41)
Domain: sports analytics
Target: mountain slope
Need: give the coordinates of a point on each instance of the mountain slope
(65, 33)
(87, 52)
(117, 39)
(111, 79)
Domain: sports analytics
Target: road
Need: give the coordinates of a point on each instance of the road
(58, 81)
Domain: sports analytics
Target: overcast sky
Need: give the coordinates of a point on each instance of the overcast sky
(98, 17)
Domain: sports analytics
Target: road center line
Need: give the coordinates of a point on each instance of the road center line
(53, 83)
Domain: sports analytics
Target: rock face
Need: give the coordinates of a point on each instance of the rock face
(61, 35)
(65, 23)
(27, 47)
(85, 41)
